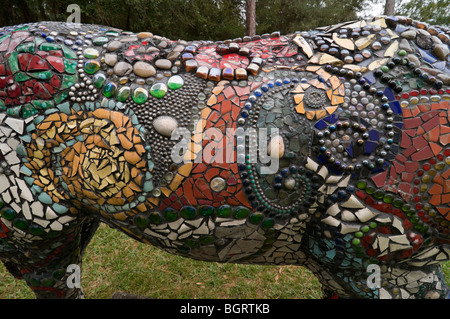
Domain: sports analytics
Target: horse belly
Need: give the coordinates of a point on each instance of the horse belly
(230, 240)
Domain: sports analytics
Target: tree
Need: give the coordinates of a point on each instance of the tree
(250, 17)
(288, 16)
(435, 12)
(389, 7)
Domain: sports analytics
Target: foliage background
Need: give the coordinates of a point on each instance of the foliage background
(214, 19)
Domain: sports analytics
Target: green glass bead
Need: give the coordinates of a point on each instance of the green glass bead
(20, 224)
(224, 211)
(268, 223)
(398, 203)
(388, 199)
(112, 33)
(155, 218)
(365, 229)
(8, 213)
(140, 221)
(356, 241)
(91, 66)
(123, 93)
(158, 90)
(188, 212)
(256, 218)
(91, 53)
(402, 53)
(100, 40)
(109, 89)
(170, 214)
(35, 230)
(359, 234)
(206, 210)
(175, 82)
(385, 68)
(241, 212)
(378, 194)
(99, 80)
(140, 95)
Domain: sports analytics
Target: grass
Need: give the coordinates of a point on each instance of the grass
(113, 262)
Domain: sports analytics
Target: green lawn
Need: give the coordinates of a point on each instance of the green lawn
(114, 262)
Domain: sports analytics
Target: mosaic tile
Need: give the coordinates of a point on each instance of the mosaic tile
(351, 122)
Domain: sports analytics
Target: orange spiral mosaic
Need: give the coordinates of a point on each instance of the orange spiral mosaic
(100, 157)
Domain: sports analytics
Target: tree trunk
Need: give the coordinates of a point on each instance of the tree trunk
(389, 8)
(250, 17)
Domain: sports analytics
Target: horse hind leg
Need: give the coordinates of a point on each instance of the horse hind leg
(51, 267)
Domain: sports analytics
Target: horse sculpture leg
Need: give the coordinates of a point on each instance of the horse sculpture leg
(45, 265)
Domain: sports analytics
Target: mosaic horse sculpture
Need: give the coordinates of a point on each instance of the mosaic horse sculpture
(351, 171)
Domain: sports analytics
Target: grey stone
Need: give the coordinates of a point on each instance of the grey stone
(123, 68)
(114, 45)
(110, 59)
(163, 64)
(404, 45)
(409, 34)
(444, 78)
(143, 69)
(165, 125)
(441, 51)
